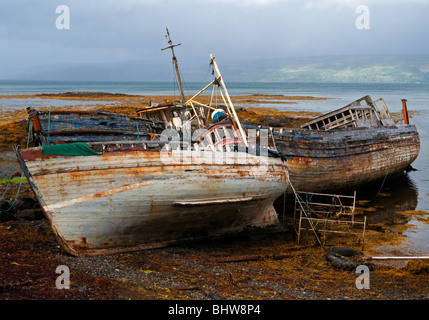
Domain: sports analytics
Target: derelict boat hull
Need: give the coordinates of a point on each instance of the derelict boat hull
(134, 200)
(343, 159)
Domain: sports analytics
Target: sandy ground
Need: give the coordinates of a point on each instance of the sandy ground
(270, 267)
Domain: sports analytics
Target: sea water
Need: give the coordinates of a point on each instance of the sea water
(410, 192)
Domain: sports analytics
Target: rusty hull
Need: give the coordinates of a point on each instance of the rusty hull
(329, 160)
(134, 200)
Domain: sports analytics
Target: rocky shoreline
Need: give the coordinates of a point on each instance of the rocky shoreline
(208, 270)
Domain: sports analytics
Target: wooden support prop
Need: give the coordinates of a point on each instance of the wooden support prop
(399, 258)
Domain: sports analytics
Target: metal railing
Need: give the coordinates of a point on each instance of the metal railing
(327, 213)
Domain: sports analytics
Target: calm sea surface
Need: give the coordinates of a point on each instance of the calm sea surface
(407, 193)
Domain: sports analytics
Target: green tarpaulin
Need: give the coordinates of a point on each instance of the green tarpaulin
(70, 149)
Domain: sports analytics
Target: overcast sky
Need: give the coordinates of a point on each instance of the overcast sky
(131, 32)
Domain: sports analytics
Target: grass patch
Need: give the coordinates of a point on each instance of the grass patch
(13, 180)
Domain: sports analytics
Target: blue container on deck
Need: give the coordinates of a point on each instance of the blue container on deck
(218, 115)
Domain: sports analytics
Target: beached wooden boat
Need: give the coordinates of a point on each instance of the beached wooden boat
(65, 126)
(131, 196)
(115, 196)
(357, 144)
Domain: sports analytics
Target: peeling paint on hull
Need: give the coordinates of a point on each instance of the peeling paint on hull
(338, 159)
(125, 201)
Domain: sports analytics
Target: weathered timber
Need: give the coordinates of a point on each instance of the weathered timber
(338, 159)
(357, 144)
(127, 200)
(63, 126)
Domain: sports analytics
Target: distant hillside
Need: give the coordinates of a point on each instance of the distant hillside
(399, 69)
(374, 69)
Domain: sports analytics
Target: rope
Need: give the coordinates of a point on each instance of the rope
(382, 184)
(12, 166)
(138, 131)
(419, 124)
(49, 125)
(17, 193)
(296, 195)
(384, 180)
(8, 183)
(10, 177)
(288, 179)
(303, 210)
(184, 83)
(30, 129)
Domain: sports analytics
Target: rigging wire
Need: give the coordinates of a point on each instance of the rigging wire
(9, 179)
(173, 75)
(182, 79)
(419, 124)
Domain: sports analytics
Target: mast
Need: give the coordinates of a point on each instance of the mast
(176, 67)
(230, 106)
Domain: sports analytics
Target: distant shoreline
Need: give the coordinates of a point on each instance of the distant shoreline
(250, 109)
(78, 95)
(130, 103)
